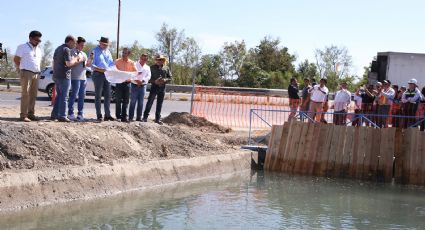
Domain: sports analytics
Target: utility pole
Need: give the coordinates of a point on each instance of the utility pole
(118, 30)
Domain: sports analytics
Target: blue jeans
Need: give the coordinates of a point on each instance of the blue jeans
(78, 87)
(137, 96)
(63, 86)
(102, 87)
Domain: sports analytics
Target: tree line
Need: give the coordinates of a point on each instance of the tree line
(268, 65)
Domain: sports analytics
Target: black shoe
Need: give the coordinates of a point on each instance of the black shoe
(159, 122)
(33, 118)
(62, 119)
(109, 119)
(124, 120)
(100, 119)
(138, 119)
(144, 120)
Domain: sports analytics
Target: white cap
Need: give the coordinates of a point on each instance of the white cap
(413, 81)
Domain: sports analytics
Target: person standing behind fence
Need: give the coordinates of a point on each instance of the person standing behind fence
(305, 96)
(161, 74)
(28, 61)
(101, 59)
(368, 98)
(410, 99)
(294, 98)
(385, 100)
(138, 87)
(421, 110)
(78, 81)
(318, 97)
(62, 63)
(341, 102)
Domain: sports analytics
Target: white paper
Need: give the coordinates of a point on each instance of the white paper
(117, 76)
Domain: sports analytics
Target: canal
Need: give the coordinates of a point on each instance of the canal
(243, 201)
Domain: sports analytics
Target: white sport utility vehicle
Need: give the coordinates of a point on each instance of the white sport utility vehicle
(46, 84)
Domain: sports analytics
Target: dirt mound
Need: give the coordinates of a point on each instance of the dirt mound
(50, 144)
(194, 121)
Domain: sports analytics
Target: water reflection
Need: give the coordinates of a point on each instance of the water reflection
(246, 201)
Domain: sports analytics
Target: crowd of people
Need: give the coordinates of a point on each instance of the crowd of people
(70, 64)
(380, 104)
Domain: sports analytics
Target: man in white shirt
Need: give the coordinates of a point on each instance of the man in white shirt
(138, 87)
(341, 102)
(27, 61)
(318, 97)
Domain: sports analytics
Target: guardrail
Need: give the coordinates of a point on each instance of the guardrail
(9, 81)
(188, 88)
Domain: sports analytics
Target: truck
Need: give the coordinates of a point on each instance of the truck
(398, 67)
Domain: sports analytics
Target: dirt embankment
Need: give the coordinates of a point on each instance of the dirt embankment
(48, 162)
(51, 144)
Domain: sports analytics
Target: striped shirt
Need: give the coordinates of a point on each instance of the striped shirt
(30, 57)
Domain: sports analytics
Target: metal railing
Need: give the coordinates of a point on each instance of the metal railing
(351, 119)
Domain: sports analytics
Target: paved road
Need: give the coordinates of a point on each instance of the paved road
(12, 99)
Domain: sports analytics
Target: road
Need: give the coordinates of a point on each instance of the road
(12, 99)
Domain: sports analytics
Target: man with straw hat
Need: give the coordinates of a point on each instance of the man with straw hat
(160, 75)
(100, 60)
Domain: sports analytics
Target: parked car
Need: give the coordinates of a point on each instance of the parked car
(46, 84)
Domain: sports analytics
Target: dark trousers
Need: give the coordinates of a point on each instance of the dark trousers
(122, 97)
(340, 117)
(101, 87)
(409, 110)
(155, 91)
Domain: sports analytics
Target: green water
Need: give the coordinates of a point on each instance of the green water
(245, 201)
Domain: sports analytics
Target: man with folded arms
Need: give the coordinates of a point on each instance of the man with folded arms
(101, 59)
(138, 87)
(28, 60)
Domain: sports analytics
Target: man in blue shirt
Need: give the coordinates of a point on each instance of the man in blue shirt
(100, 60)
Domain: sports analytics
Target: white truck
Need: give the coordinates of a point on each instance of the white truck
(399, 68)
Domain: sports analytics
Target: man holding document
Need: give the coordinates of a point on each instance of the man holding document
(138, 87)
(122, 89)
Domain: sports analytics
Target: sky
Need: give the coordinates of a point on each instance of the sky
(364, 27)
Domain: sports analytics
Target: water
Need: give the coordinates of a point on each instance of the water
(246, 201)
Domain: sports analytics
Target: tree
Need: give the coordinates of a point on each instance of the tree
(46, 59)
(307, 70)
(209, 71)
(333, 59)
(7, 68)
(170, 41)
(233, 55)
(270, 57)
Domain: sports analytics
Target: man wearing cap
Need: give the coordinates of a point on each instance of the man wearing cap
(318, 97)
(100, 60)
(385, 97)
(160, 75)
(341, 102)
(410, 99)
(27, 61)
(62, 63)
(138, 87)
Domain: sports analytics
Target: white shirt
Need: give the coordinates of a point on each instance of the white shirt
(144, 73)
(342, 100)
(30, 57)
(319, 94)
